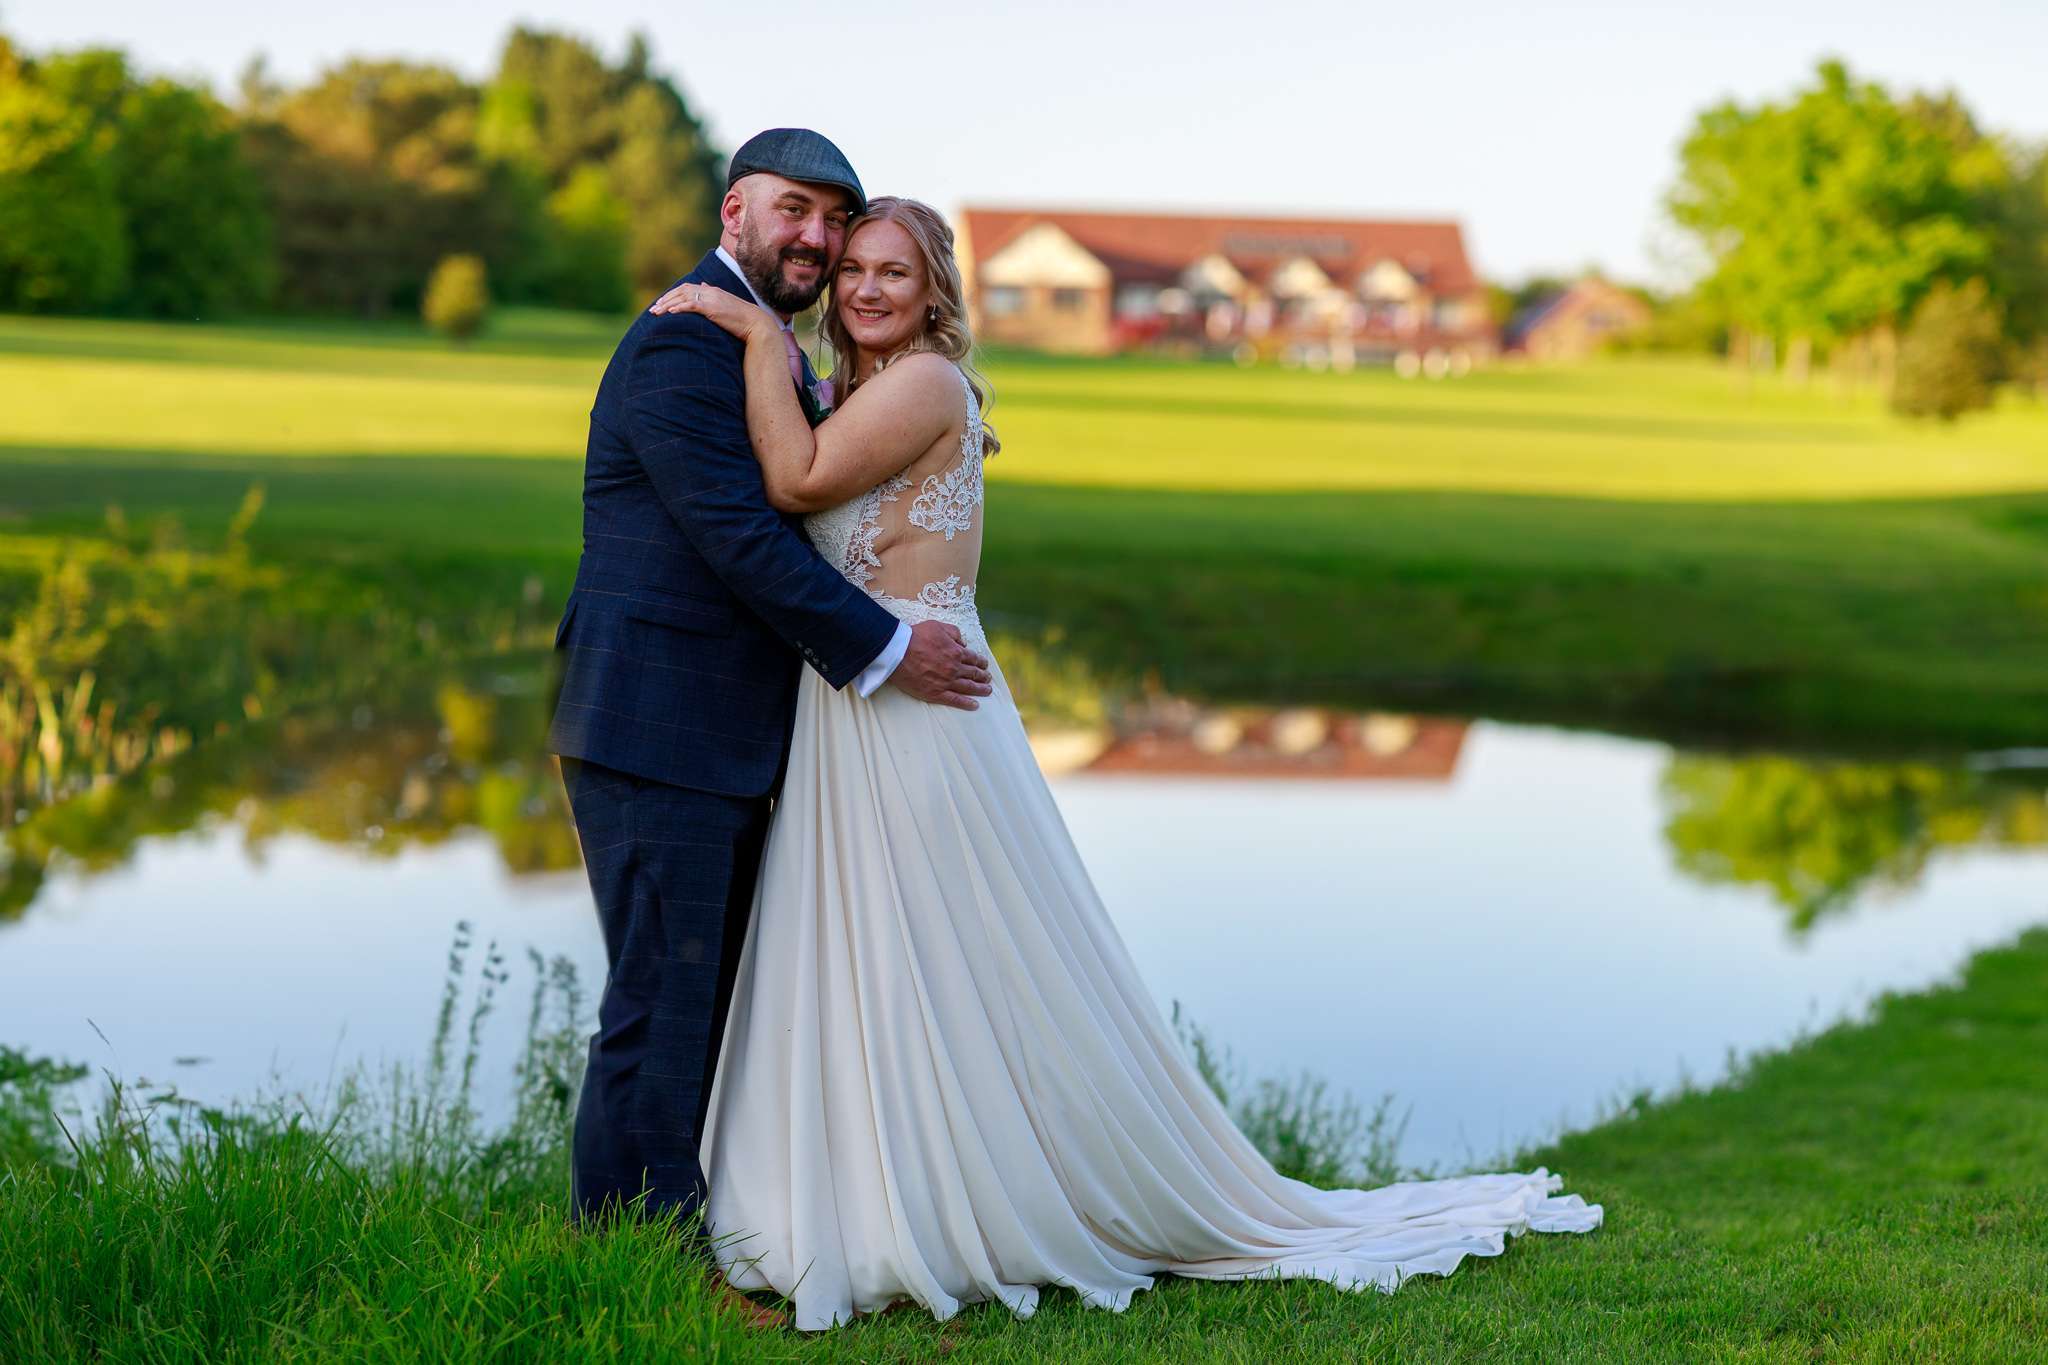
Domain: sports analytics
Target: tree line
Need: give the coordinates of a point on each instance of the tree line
(1890, 236)
(577, 182)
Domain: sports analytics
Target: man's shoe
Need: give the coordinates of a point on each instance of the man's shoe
(752, 1311)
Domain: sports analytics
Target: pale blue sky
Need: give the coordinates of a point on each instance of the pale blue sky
(1550, 131)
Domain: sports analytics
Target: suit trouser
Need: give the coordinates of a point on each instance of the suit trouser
(673, 872)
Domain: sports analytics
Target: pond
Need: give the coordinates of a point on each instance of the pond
(1507, 928)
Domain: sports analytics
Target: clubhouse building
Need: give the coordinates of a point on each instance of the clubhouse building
(1322, 292)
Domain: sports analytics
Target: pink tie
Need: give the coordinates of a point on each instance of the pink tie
(796, 357)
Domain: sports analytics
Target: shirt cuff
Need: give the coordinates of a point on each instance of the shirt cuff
(877, 673)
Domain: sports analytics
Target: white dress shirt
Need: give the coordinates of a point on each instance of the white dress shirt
(885, 663)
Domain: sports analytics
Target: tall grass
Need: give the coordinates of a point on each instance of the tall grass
(1307, 1130)
(393, 1218)
(390, 1222)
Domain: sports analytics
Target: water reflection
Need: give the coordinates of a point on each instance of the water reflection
(415, 769)
(119, 651)
(1170, 736)
(421, 765)
(1820, 835)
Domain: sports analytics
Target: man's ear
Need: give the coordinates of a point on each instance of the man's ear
(732, 210)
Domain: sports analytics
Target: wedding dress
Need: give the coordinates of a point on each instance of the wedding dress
(942, 1077)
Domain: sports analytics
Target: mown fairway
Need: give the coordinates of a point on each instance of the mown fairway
(1638, 544)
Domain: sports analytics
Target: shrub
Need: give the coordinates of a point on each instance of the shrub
(1949, 356)
(457, 297)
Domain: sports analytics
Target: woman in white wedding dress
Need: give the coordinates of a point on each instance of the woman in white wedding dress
(942, 1077)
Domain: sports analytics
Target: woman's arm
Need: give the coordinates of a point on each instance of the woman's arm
(888, 422)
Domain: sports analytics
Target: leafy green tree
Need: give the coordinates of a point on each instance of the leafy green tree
(62, 245)
(589, 229)
(191, 206)
(2020, 269)
(1950, 357)
(668, 175)
(1834, 214)
(374, 175)
(154, 163)
(198, 232)
(557, 108)
(458, 297)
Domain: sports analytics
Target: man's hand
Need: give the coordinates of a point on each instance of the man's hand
(939, 669)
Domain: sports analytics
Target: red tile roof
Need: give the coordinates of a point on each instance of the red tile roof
(1154, 247)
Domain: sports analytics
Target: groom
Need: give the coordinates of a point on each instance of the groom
(695, 607)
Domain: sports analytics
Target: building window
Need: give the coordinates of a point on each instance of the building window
(1138, 301)
(999, 303)
(1069, 300)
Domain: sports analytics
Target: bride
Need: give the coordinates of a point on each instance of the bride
(942, 1078)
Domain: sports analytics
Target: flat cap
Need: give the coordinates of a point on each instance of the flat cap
(797, 154)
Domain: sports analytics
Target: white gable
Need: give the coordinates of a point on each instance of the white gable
(1212, 275)
(1387, 280)
(1045, 256)
(1298, 277)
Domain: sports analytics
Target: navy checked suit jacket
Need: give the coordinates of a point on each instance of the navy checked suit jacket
(695, 603)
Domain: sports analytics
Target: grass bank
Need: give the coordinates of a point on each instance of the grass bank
(1637, 545)
(1874, 1193)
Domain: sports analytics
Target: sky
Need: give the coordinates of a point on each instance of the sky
(1549, 131)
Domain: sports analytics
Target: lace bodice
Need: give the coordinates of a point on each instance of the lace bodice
(913, 541)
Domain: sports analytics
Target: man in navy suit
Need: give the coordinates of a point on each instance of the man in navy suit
(695, 607)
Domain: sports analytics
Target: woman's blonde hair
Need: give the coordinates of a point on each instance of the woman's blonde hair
(945, 332)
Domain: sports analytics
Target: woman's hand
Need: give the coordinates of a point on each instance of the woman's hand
(735, 314)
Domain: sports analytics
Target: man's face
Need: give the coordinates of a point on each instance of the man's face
(786, 236)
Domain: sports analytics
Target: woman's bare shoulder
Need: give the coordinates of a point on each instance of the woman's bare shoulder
(921, 374)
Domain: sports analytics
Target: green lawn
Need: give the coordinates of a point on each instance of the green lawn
(1876, 1193)
(1632, 544)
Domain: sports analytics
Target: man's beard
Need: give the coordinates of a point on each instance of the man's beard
(762, 265)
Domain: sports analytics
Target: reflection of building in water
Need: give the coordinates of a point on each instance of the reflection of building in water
(1181, 739)
(1323, 292)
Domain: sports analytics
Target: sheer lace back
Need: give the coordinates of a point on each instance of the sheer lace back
(914, 541)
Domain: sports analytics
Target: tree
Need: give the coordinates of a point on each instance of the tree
(573, 179)
(1831, 216)
(374, 175)
(1949, 358)
(586, 263)
(191, 206)
(458, 296)
(62, 247)
(198, 232)
(556, 108)
(2019, 271)
(166, 176)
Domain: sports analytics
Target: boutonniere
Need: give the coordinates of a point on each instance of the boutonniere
(815, 398)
